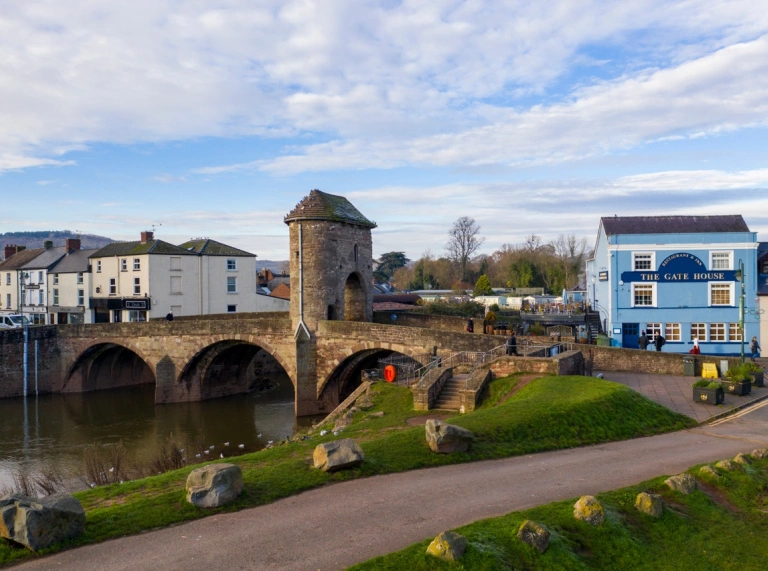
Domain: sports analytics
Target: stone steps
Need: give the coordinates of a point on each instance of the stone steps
(450, 395)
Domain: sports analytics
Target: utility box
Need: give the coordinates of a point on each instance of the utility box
(723, 367)
(689, 366)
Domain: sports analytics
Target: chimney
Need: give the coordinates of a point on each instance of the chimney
(72, 244)
(9, 250)
(147, 236)
(48, 244)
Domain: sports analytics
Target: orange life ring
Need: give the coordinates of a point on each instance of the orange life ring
(390, 373)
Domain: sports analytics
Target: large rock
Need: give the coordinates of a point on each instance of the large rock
(683, 483)
(534, 534)
(338, 455)
(448, 546)
(709, 472)
(742, 459)
(448, 438)
(727, 465)
(650, 504)
(40, 523)
(214, 485)
(590, 510)
(760, 453)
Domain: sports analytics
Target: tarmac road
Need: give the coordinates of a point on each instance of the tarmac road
(339, 525)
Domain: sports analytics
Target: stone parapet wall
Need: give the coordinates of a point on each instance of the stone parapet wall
(12, 361)
(229, 316)
(439, 322)
(426, 391)
(639, 361)
(476, 383)
(505, 366)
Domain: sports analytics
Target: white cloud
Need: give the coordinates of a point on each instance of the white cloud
(390, 83)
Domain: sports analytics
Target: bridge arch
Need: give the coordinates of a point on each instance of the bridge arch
(231, 366)
(105, 364)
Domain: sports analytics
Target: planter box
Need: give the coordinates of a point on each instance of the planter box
(741, 388)
(757, 379)
(708, 396)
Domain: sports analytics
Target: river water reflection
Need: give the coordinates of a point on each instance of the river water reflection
(54, 429)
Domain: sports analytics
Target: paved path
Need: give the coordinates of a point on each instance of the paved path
(339, 525)
(675, 392)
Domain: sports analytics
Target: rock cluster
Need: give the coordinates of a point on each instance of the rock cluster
(683, 483)
(650, 504)
(40, 523)
(589, 510)
(709, 472)
(534, 534)
(448, 546)
(727, 465)
(214, 485)
(447, 438)
(338, 455)
(760, 453)
(742, 459)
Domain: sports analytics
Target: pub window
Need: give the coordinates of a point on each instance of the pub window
(643, 295)
(135, 315)
(231, 264)
(55, 296)
(717, 331)
(56, 279)
(176, 263)
(136, 264)
(98, 266)
(112, 286)
(643, 261)
(734, 332)
(79, 278)
(231, 284)
(136, 286)
(720, 293)
(699, 331)
(652, 330)
(721, 260)
(81, 297)
(672, 332)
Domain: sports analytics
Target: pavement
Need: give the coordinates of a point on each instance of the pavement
(675, 392)
(339, 525)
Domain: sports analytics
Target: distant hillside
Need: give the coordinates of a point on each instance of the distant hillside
(36, 239)
(274, 266)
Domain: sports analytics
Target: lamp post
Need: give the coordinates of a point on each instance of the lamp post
(740, 277)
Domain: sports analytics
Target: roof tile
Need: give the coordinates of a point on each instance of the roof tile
(318, 205)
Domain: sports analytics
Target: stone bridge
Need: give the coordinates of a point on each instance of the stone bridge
(193, 359)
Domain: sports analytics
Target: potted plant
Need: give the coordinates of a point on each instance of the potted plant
(756, 372)
(710, 392)
(490, 321)
(739, 381)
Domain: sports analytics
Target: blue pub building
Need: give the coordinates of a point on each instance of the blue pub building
(678, 276)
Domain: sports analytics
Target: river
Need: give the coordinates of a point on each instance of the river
(54, 429)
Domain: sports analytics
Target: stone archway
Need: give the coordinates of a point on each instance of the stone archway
(107, 365)
(354, 298)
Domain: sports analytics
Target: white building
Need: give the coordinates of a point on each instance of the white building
(70, 287)
(33, 278)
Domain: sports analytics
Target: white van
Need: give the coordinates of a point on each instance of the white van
(13, 321)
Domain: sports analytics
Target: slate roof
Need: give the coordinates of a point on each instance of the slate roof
(208, 247)
(318, 205)
(47, 258)
(20, 258)
(615, 225)
(138, 247)
(74, 262)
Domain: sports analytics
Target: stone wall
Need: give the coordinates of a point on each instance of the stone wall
(476, 383)
(12, 361)
(639, 361)
(426, 391)
(505, 366)
(438, 322)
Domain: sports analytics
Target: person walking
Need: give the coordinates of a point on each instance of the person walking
(659, 341)
(512, 344)
(643, 341)
(754, 347)
(169, 317)
(696, 350)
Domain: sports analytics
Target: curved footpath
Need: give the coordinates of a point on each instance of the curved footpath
(339, 525)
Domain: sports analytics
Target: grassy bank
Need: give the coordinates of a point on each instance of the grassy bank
(722, 526)
(549, 413)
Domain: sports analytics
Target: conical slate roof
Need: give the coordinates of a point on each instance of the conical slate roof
(319, 205)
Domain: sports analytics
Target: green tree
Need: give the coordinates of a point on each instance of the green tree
(483, 286)
(388, 264)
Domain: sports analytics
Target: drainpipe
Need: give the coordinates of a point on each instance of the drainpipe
(301, 324)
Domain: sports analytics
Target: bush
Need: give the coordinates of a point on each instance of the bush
(752, 367)
(490, 317)
(495, 308)
(705, 384)
(738, 374)
(536, 329)
(460, 309)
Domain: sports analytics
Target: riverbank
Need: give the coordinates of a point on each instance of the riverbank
(549, 413)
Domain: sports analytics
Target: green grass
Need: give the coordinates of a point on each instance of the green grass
(547, 414)
(695, 532)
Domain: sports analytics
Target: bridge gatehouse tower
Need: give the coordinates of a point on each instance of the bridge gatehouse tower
(331, 262)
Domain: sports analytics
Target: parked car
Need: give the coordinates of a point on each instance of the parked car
(13, 321)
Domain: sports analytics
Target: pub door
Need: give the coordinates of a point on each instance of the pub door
(630, 334)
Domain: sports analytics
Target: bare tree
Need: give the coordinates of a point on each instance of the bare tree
(463, 242)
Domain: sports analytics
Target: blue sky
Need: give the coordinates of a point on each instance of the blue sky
(216, 119)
